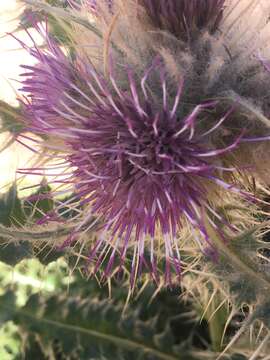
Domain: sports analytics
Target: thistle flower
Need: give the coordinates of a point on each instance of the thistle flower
(143, 145)
(184, 19)
(138, 163)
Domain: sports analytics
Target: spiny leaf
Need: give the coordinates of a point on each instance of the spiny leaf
(11, 211)
(14, 213)
(216, 317)
(12, 254)
(241, 269)
(245, 278)
(91, 327)
(33, 350)
(42, 204)
(10, 118)
(10, 342)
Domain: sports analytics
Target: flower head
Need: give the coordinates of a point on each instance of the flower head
(139, 163)
(184, 18)
(141, 142)
(144, 169)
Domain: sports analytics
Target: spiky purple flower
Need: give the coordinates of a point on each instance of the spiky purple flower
(138, 162)
(184, 18)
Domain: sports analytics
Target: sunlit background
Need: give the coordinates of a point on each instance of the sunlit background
(11, 56)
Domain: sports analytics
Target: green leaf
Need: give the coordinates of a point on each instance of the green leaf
(10, 118)
(92, 327)
(240, 267)
(10, 342)
(12, 254)
(217, 317)
(11, 211)
(33, 350)
(244, 276)
(42, 204)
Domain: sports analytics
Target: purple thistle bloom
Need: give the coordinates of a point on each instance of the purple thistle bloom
(184, 18)
(141, 165)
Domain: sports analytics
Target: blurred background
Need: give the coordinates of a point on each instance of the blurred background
(11, 56)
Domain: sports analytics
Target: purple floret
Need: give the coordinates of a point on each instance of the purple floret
(142, 168)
